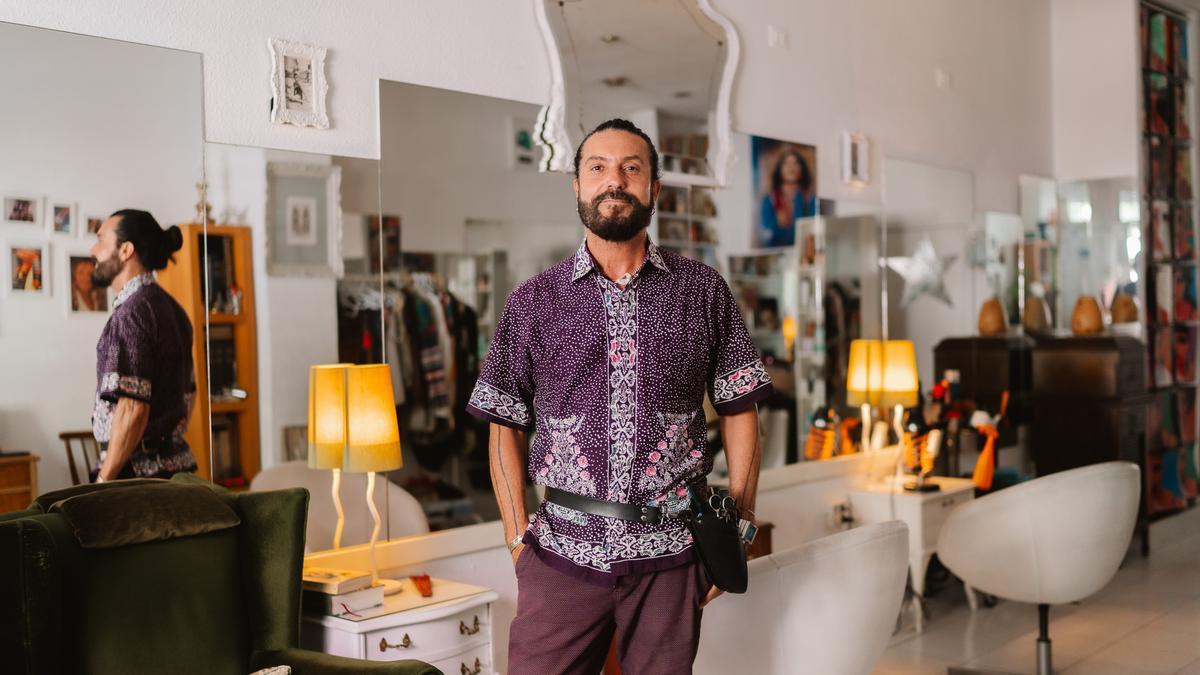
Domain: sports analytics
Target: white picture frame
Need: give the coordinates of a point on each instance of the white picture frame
(56, 211)
(22, 210)
(856, 159)
(522, 144)
(73, 303)
(291, 183)
(86, 222)
(42, 271)
(298, 84)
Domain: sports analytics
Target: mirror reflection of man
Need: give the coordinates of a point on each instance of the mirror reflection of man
(145, 385)
(610, 354)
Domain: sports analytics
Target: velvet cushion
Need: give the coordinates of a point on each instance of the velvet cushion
(144, 513)
(47, 499)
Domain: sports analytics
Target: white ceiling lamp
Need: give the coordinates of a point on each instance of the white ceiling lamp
(856, 159)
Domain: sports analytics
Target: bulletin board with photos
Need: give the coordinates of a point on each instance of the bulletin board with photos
(1173, 318)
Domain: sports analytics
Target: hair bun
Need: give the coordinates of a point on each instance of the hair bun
(173, 238)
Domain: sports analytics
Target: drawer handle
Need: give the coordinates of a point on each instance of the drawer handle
(405, 643)
(467, 671)
(464, 629)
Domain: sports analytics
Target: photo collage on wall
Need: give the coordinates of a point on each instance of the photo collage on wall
(1172, 293)
(35, 228)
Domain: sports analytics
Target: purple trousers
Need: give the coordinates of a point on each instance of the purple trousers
(565, 625)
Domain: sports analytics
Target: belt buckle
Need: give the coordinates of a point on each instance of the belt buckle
(675, 505)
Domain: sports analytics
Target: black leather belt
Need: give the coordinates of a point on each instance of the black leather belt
(598, 507)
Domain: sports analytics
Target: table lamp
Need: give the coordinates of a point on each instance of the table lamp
(899, 386)
(327, 430)
(372, 439)
(864, 381)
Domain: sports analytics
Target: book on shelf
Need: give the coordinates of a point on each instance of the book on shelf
(334, 581)
(317, 602)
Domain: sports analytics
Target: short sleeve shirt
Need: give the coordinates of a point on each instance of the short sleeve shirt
(612, 381)
(145, 353)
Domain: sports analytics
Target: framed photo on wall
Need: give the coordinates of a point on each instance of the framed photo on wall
(82, 297)
(22, 210)
(91, 225)
(27, 269)
(304, 220)
(298, 83)
(785, 188)
(61, 217)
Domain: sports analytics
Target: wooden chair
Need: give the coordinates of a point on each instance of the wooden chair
(89, 451)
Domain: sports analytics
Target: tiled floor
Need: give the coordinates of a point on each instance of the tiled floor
(1146, 621)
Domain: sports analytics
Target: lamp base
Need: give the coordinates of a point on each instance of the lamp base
(390, 586)
(920, 486)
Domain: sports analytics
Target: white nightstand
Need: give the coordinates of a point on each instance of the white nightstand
(451, 630)
(923, 512)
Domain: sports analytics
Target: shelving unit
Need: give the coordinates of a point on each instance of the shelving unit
(781, 293)
(232, 357)
(684, 220)
(1169, 216)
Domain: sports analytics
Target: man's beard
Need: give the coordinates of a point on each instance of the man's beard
(615, 228)
(105, 271)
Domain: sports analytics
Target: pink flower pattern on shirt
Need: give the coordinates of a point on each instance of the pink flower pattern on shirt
(564, 466)
(674, 456)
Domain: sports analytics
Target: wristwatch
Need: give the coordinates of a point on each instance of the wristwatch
(512, 545)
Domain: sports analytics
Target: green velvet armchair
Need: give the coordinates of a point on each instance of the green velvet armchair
(151, 576)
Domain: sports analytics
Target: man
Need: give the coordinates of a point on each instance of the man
(145, 386)
(609, 354)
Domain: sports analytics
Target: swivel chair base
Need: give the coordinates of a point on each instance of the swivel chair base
(1044, 661)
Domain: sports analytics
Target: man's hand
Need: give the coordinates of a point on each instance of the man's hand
(712, 595)
(516, 553)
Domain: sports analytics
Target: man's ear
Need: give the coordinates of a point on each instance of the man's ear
(655, 189)
(575, 186)
(125, 251)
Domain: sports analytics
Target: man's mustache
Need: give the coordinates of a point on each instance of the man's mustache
(619, 195)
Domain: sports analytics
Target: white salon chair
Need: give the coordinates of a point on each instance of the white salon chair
(401, 508)
(828, 606)
(1053, 540)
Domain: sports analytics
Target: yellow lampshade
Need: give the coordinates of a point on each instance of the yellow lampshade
(864, 379)
(352, 419)
(882, 373)
(900, 385)
(374, 436)
(327, 416)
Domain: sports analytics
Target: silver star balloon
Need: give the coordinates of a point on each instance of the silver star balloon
(923, 272)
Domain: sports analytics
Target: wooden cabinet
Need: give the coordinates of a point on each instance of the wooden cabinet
(18, 481)
(227, 366)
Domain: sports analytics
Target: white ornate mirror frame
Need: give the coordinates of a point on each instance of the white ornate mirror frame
(552, 136)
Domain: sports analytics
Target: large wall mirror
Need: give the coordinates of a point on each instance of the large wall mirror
(667, 65)
(88, 126)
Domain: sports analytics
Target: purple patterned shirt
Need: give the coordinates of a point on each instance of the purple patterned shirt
(145, 352)
(614, 381)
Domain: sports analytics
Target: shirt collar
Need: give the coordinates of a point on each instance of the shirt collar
(132, 287)
(584, 262)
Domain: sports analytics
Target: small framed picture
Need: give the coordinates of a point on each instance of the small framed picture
(295, 442)
(27, 269)
(91, 226)
(304, 220)
(83, 296)
(23, 210)
(61, 217)
(522, 148)
(299, 85)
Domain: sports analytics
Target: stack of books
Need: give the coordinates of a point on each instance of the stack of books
(339, 592)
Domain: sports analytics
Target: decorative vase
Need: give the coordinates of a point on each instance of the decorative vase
(1086, 319)
(991, 317)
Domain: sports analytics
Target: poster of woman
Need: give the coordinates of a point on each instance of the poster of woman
(785, 188)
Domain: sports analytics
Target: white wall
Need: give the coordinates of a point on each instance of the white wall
(863, 64)
(446, 161)
(1095, 118)
(76, 125)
